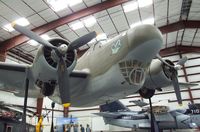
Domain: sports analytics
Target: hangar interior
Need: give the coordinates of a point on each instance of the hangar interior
(178, 21)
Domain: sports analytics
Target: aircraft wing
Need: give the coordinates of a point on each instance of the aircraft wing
(12, 76)
(182, 85)
(108, 114)
(164, 117)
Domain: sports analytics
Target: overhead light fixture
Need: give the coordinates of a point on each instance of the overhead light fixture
(21, 21)
(74, 2)
(8, 28)
(148, 21)
(58, 5)
(45, 36)
(130, 6)
(144, 3)
(33, 42)
(90, 21)
(77, 25)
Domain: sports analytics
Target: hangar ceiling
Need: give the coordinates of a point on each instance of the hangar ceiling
(178, 20)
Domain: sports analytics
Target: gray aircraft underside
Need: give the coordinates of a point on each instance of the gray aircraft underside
(176, 119)
(167, 121)
(104, 73)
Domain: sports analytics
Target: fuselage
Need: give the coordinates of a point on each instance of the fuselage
(116, 69)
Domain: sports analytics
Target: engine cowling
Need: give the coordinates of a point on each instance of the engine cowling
(70, 58)
(158, 75)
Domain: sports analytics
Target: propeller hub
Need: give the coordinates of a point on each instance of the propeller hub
(63, 49)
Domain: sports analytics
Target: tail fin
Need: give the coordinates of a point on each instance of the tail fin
(115, 106)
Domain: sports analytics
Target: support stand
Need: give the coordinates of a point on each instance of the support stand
(25, 105)
(52, 106)
(154, 125)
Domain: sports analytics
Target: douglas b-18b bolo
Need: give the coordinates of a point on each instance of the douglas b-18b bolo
(122, 66)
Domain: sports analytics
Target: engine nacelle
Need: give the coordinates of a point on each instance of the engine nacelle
(45, 65)
(158, 75)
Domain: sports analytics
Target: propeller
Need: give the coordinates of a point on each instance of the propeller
(173, 74)
(60, 52)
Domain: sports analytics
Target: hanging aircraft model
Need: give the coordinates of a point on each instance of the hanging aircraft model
(115, 113)
(122, 66)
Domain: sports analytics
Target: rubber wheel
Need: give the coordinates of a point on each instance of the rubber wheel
(146, 93)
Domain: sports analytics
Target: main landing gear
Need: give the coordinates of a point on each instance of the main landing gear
(146, 93)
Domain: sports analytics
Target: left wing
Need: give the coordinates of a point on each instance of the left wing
(12, 76)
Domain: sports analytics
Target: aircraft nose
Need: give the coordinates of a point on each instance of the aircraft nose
(145, 41)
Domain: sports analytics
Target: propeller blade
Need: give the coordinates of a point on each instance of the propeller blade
(182, 61)
(63, 82)
(32, 35)
(176, 88)
(163, 61)
(82, 40)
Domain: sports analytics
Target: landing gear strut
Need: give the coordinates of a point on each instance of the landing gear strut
(154, 124)
(24, 128)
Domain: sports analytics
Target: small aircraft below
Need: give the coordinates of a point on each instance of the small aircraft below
(115, 113)
(122, 66)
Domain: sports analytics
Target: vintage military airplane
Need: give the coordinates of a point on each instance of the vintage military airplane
(115, 113)
(121, 67)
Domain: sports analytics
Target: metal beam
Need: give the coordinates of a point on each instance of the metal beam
(179, 25)
(10, 43)
(3, 56)
(179, 49)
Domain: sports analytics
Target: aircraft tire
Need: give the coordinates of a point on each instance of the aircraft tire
(146, 93)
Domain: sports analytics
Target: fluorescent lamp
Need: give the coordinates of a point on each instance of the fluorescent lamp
(74, 2)
(144, 3)
(22, 21)
(58, 5)
(45, 36)
(130, 6)
(8, 28)
(77, 25)
(148, 21)
(135, 24)
(90, 21)
(33, 42)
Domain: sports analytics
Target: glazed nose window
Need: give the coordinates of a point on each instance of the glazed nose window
(136, 76)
